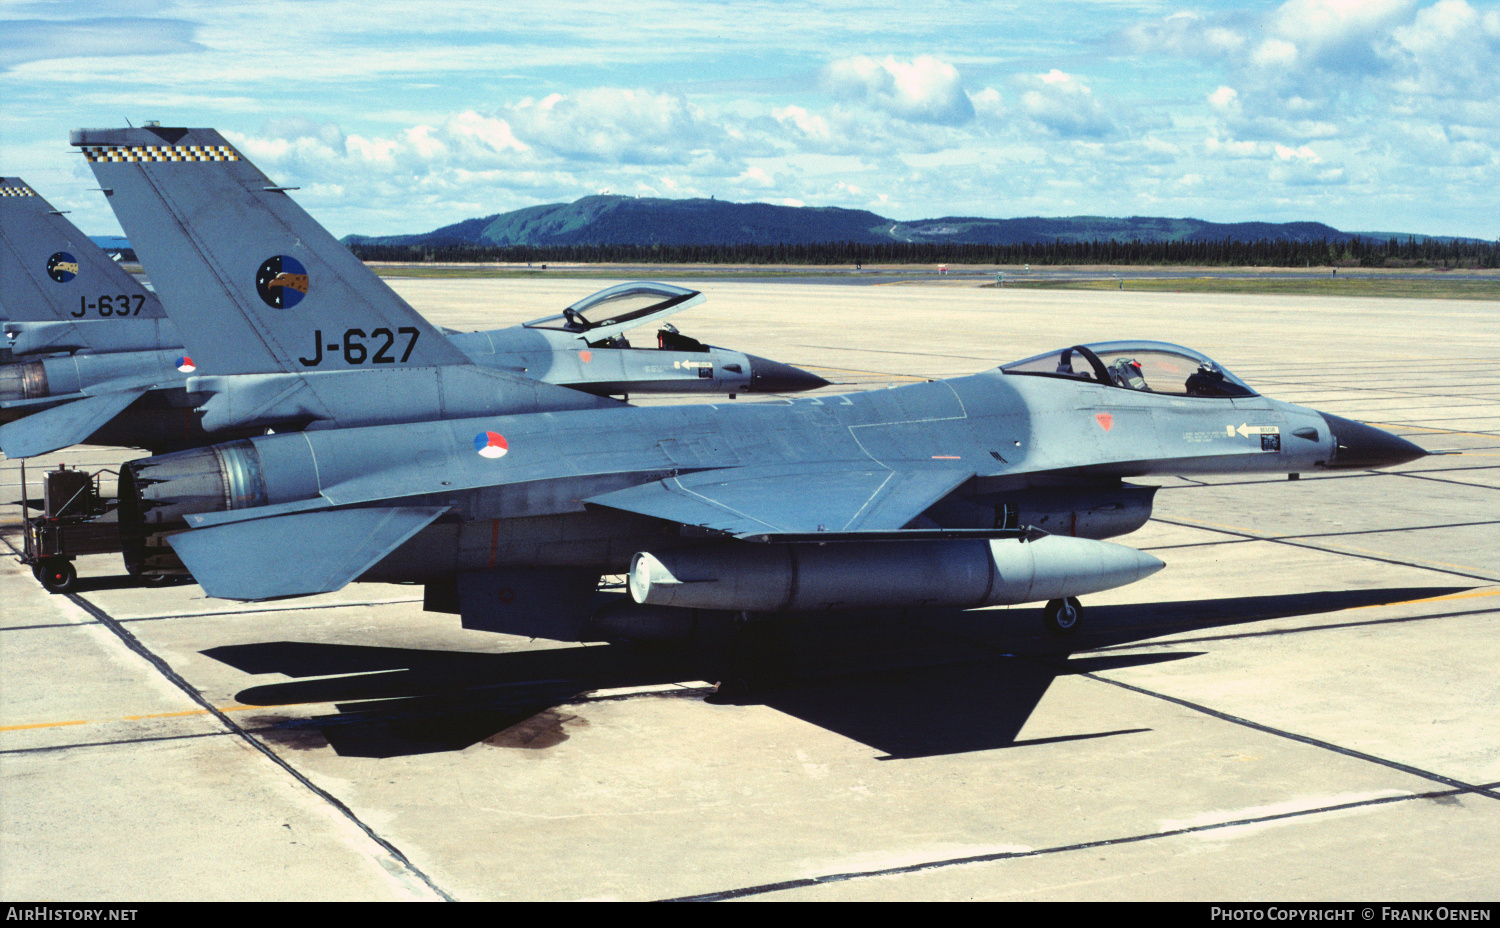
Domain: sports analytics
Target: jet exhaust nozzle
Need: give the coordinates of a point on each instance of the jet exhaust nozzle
(23, 381)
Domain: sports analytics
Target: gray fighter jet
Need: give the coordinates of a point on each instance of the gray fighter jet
(61, 294)
(255, 376)
(994, 488)
(84, 340)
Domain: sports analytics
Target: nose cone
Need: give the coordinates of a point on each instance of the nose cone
(1360, 446)
(767, 376)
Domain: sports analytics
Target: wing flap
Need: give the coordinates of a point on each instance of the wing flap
(64, 425)
(314, 552)
(777, 500)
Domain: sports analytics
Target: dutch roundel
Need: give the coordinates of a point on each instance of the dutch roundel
(491, 445)
(186, 365)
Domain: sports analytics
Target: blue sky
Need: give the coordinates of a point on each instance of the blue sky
(1380, 115)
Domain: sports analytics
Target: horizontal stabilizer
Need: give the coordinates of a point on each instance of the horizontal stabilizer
(313, 552)
(780, 499)
(64, 425)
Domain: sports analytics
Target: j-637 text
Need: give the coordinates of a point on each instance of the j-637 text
(118, 305)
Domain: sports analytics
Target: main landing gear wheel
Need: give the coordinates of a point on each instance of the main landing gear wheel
(58, 576)
(1061, 615)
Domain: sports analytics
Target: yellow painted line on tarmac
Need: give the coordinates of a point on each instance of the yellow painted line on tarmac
(129, 718)
(44, 725)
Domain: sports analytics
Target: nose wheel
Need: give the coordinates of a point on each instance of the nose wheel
(1061, 615)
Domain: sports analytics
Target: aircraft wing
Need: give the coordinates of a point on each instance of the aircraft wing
(766, 502)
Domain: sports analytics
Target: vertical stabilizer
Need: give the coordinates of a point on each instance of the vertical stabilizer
(52, 273)
(253, 283)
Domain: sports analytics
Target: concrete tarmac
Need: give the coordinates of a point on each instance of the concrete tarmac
(1300, 707)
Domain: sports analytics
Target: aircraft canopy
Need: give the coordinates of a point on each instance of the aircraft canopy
(621, 307)
(1151, 367)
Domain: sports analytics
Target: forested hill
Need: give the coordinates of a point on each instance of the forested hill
(618, 220)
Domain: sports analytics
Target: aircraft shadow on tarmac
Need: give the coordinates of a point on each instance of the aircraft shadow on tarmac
(942, 683)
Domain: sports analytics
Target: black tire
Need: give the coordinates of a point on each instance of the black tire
(155, 579)
(58, 576)
(36, 571)
(1061, 616)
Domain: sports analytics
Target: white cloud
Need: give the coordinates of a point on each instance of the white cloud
(1065, 106)
(1449, 50)
(615, 125)
(1225, 99)
(921, 90)
(103, 37)
(989, 104)
(756, 176)
(811, 127)
(1186, 35)
(405, 122)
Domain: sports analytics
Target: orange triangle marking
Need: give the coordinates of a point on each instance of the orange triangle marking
(1106, 421)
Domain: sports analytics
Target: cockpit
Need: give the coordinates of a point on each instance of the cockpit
(1150, 367)
(625, 306)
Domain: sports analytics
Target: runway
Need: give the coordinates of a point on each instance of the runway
(1300, 707)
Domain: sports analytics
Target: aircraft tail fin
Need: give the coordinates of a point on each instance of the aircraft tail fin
(53, 273)
(253, 283)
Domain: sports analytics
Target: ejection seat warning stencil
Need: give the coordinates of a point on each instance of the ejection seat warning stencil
(281, 282)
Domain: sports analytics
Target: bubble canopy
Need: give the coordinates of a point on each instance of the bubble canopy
(1149, 367)
(624, 303)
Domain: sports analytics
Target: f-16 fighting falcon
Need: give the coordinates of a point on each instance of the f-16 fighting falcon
(61, 294)
(241, 372)
(995, 488)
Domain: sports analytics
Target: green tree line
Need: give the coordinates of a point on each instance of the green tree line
(1354, 252)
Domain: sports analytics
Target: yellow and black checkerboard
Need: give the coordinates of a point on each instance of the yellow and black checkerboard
(160, 153)
(16, 192)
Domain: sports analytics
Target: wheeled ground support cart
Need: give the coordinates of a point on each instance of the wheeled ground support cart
(76, 519)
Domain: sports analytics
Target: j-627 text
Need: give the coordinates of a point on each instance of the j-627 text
(357, 350)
